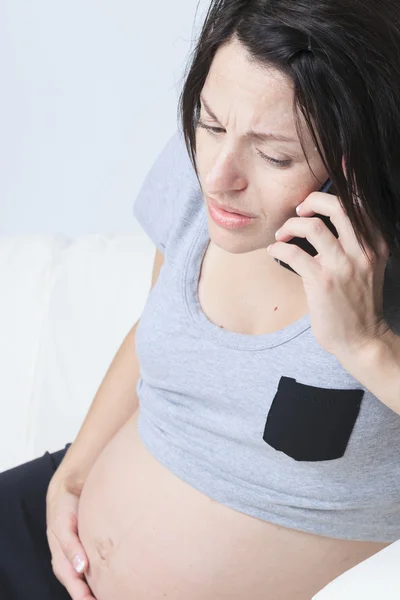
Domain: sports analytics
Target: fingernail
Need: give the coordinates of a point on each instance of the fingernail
(78, 563)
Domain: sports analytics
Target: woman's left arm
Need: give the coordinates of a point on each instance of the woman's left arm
(377, 367)
(344, 289)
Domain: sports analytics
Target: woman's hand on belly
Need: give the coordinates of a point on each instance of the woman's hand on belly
(69, 558)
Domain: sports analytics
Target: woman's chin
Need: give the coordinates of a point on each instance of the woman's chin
(234, 241)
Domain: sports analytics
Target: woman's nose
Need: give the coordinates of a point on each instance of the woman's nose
(226, 173)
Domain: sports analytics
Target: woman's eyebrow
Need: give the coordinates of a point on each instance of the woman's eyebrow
(262, 137)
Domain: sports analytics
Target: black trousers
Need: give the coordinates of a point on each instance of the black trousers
(25, 560)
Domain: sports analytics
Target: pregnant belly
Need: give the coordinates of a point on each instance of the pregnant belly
(151, 536)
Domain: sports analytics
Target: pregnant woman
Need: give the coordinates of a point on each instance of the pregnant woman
(245, 441)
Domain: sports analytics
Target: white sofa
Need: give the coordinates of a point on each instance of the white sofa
(66, 306)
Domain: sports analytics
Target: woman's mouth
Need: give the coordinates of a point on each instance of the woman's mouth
(227, 219)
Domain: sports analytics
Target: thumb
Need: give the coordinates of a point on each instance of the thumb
(79, 562)
(73, 549)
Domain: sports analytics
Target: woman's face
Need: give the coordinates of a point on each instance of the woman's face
(232, 170)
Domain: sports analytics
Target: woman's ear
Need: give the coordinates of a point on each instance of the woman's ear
(344, 167)
(357, 199)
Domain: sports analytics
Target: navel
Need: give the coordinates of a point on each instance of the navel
(104, 548)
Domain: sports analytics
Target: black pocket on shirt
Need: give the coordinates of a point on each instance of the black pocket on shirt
(310, 423)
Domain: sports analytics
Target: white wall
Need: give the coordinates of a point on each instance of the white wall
(89, 92)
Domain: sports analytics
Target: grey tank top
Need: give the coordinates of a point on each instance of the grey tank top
(269, 425)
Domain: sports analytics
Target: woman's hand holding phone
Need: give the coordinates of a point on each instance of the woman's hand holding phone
(303, 243)
(344, 287)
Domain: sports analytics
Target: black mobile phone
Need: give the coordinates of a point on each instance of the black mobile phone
(303, 243)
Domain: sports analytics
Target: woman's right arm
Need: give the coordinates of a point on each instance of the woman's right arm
(115, 401)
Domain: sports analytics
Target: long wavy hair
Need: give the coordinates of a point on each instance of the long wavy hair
(348, 85)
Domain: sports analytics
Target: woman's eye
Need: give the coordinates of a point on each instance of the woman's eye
(217, 130)
(280, 163)
(214, 130)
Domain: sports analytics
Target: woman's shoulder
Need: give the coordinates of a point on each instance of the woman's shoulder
(169, 186)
